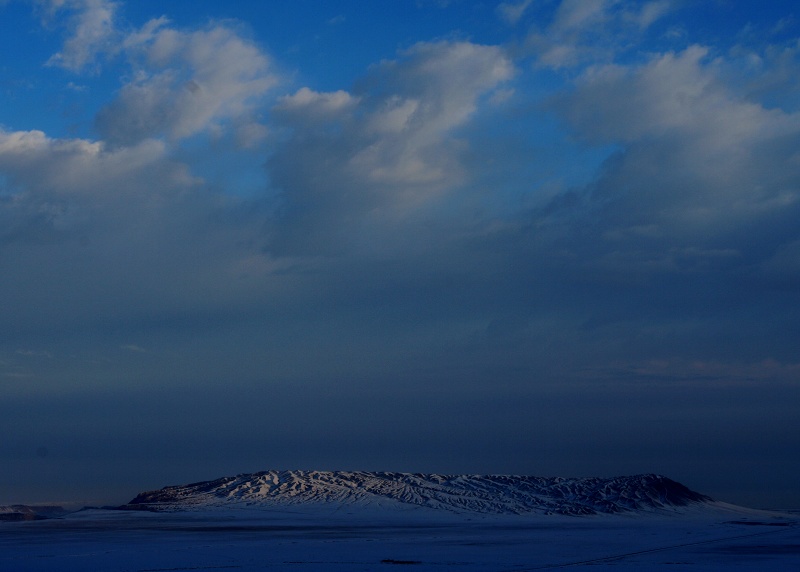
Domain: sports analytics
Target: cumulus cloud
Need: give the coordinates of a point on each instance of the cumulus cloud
(580, 14)
(649, 12)
(410, 231)
(387, 148)
(38, 163)
(588, 31)
(699, 166)
(698, 160)
(91, 27)
(185, 83)
(511, 12)
(126, 231)
(315, 107)
(181, 82)
(124, 221)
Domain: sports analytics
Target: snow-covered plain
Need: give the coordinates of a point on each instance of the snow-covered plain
(329, 538)
(361, 521)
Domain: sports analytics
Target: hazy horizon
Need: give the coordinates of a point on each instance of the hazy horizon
(550, 238)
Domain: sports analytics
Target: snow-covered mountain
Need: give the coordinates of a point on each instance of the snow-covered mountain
(486, 494)
(18, 512)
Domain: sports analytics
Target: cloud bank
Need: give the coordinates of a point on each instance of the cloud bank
(570, 253)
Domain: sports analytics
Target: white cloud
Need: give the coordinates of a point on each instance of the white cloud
(672, 93)
(92, 31)
(181, 82)
(578, 15)
(618, 103)
(389, 148)
(649, 13)
(125, 229)
(124, 224)
(250, 134)
(37, 163)
(700, 167)
(431, 91)
(511, 12)
(307, 104)
(589, 31)
(186, 83)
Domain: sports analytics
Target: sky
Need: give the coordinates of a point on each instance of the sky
(544, 237)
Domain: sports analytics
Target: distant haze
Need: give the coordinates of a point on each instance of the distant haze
(553, 238)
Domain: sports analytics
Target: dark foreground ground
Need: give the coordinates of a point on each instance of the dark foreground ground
(247, 539)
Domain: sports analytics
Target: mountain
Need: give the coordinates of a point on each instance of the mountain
(19, 512)
(485, 494)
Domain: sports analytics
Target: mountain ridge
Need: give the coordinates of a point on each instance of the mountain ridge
(485, 494)
(22, 512)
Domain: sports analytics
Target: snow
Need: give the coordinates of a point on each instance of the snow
(356, 521)
(482, 494)
(352, 538)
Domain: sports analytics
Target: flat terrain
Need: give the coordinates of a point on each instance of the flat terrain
(248, 539)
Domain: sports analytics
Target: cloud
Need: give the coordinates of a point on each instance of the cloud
(419, 237)
(698, 161)
(92, 31)
(377, 185)
(181, 83)
(185, 83)
(588, 31)
(625, 103)
(649, 12)
(511, 12)
(44, 166)
(313, 106)
(581, 14)
(387, 149)
(128, 231)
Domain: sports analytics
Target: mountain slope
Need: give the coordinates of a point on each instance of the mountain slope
(19, 512)
(486, 494)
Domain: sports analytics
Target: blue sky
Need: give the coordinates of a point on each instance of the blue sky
(551, 237)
